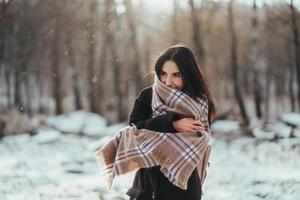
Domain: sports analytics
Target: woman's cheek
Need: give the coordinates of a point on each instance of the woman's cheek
(178, 85)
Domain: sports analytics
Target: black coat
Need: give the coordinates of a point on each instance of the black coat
(150, 183)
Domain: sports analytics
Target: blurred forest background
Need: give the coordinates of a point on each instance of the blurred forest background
(70, 71)
(95, 55)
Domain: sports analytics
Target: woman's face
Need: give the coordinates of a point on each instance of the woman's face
(171, 75)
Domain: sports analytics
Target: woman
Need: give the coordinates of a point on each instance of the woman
(177, 68)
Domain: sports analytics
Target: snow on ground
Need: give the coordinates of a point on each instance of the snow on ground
(253, 169)
(79, 122)
(225, 127)
(291, 118)
(52, 165)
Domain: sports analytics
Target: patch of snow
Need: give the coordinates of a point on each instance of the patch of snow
(46, 136)
(78, 122)
(262, 134)
(251, 169)
(95, 125)
(67, 124)
(290, 143)
(291, 118)
(21, 138)
(93, 146)
(282, 130)
(255, 122)
(225, 126)
(297, 132)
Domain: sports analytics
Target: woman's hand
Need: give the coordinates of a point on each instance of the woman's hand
(188, 125)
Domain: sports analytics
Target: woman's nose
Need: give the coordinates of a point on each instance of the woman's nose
(168, 81)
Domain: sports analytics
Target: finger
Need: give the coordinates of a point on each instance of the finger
(191, 130)
(202, 129)
(198, 128)
(194, 129)
(198, 122)
(193, 123)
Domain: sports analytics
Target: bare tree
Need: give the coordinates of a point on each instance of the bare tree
(56, 59)
(110, 12)
(234, 63)
(102, 72)
(3, 7)
(6, 30)
(197, 37)
(295, 30)
(175, 22)
(277, 75)
(75, 76)
(19, 65)
(136, 64)
(268, 73)
(92, 76)
(254, 61)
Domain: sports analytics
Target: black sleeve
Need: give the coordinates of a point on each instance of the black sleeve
(141, 115)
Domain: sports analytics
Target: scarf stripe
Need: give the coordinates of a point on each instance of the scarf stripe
(184, 158)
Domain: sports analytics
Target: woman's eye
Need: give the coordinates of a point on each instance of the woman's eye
(178, 75)
(162, 73)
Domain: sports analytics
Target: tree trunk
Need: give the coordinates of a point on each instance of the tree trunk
(139, 84)
(40, 91)
(28, 95)
(75, 77)
(109, 13)
(291, 80)
(254, 61)
(56, 76)
(175, 22)
(234, 63)
(92, 77)
(5, 69)
(3, 7)
(197, 37)
(147, 51)
(17, 94)
(268, 92)
(102, 73)
(295, 31)
(8, 87)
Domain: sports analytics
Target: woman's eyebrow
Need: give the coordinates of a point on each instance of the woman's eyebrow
(178, 72)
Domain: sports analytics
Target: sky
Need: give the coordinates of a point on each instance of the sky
(166, 5)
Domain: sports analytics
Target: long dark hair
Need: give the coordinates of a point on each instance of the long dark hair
(194, 81)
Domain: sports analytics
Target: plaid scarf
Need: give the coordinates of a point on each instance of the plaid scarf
(178, 154)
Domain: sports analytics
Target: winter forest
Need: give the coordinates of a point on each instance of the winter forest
(70, 71)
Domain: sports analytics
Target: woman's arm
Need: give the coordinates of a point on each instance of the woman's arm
(141, 115)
